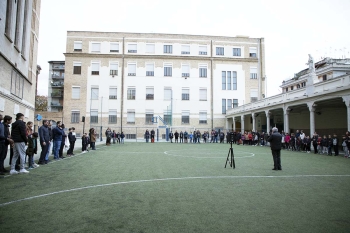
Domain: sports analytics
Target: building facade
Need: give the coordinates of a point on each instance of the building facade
(19, 27)
(124, 80)
(316, 99)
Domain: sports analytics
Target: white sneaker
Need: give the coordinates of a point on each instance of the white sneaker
(13, 172)
(36, 165)
(23, 171)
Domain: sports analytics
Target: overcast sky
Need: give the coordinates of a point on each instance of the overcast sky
(292, 29)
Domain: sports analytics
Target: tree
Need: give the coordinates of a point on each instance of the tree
(41, 103)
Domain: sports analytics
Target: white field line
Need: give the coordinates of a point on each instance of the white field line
(169, 153)
(164, 179)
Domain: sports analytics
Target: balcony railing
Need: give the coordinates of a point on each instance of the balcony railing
(57, 84)
(57, 94)
(58, 67)
(56, 105)
(57, 76)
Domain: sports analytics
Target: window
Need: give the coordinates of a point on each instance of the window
(185, 49)
(235, 103)
(132, 48)
(228, 80)
(185, 118)
(203, 117)
(75, 116)
(149, 93)
(168, 70)
(78, 46)
(168, 49)
(203, 71)
(114, 47)
(185, 70)
(113, 69)
(223, 106)
(130, 119)
(150, 48)
(185, 94)
(9, 20)
(203, 50)
(292, 88)
(203, 94)
(253, 95)
(298, 86)
(75, 92)
(229, 103)
(303, 84)
(223, 86)
(112, 117)
(234, 80)
(132, 69)
(95, 68)
(167, 117)
(131, 94)
(76, 67)
(94, 93)
(19, 24)
(252, 51)
(287, 89)
(17, 84)
(253, 73)
(220, 51)
(94, 116)
(236, 52)
(167, 93)
(25, 27)
(113, 93)
(324, 77)
(148, 117)
(95, 47)
(149, 69)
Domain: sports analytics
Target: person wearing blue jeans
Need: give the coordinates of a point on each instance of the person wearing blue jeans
(57, 133)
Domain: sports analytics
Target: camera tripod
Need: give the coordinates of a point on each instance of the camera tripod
(230, 156)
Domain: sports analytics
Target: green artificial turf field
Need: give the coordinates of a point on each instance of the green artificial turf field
(164, 187)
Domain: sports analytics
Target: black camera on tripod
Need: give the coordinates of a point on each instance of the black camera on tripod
(232, 137)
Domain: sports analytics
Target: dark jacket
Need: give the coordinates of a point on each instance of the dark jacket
(71, 137)
(44, 134)
(18, 131)
(32, 146)
(2, 133)
(57, 133)
(275, 141)
(7, 134)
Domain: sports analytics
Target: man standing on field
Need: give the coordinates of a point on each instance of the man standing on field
(276, 143)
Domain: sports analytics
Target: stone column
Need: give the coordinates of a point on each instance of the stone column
(226, 123)
(286, 120)
(253, 117)
(346, 100)
(312, 108)
(267, 112)
(242, 124)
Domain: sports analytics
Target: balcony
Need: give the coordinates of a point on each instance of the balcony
(58, 67)
(55, 76)
(56, 105)
(57, 94)
(57, 84)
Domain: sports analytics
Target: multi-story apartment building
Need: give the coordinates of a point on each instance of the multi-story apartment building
(19, 27)
(123, 80)
(56, 84)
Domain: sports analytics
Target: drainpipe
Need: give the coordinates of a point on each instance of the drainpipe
(122, 89)
(211, 85)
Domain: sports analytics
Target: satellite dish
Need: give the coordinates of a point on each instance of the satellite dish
(38, 117)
